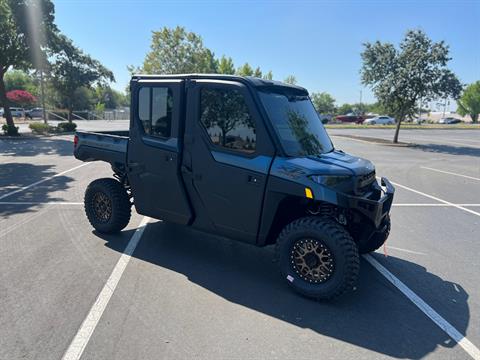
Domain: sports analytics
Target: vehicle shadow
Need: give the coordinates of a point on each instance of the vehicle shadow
(36, 146)
(14, 176)
(449, 149)
(376, 316)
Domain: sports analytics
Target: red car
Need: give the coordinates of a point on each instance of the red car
(357, 119)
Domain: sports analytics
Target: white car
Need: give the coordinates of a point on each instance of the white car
(16, 112)
(381, 120)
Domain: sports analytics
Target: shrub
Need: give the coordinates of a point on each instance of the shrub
(10, 130)
(41, 128)
(67, 127)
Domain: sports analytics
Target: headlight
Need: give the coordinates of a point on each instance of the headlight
(328, 180)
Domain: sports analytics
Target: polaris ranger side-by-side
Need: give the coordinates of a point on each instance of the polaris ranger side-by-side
(247, 159)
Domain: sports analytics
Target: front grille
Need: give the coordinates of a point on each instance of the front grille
(364, 182)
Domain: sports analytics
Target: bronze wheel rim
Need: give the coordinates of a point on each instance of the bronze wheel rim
(312, 260)
(102, 207)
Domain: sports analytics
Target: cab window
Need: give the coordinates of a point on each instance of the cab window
(155, 106)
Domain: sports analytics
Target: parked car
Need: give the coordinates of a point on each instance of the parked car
(380, 120)
(16, 112)
(349, 118)
(449, 120)
(34, 113)
(273, 181)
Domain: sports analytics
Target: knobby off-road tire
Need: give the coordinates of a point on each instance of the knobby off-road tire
(377, 240)
(328, 238)
(107, 205)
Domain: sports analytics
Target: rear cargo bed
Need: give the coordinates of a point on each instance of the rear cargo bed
(105, 146)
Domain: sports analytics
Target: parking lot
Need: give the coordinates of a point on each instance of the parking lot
(66, 290)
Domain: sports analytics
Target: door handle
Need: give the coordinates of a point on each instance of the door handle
(253, 179)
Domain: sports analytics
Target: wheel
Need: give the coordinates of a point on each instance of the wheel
(107, 205)
(318, 258)
(372, 123)
(377, 240)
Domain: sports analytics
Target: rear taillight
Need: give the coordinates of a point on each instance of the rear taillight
(75, 140)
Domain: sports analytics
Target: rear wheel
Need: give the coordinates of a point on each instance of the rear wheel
(107, 205)
(318, 258)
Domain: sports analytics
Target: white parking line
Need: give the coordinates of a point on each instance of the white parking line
(442, 141)
(435, 198)
(80, 341)
(42, 181)
(354, 139)
(450, 173)
(443, 324)
(404, 250)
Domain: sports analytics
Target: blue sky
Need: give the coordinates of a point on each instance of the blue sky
(317, 41)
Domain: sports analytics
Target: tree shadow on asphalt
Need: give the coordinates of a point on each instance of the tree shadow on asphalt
(36, 146)
(16, 175)
(376, 316)
(449, 149)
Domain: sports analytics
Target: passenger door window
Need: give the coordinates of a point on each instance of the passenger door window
(225, 116)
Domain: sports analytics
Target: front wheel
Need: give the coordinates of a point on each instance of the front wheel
(318, 258)
(107, 205)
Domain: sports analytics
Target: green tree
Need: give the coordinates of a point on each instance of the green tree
(257, 73)
(324, 102)
(268, 76)
(469, 103)
(177, 51)
(344, 109)
(72, 69)
(22, 41)
(376, 108)
(111, 98)
(245, 70)
(20, 80)
(401, 77)
(226, 66)
(290, 79)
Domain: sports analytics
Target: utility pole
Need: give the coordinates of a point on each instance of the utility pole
(42, 93)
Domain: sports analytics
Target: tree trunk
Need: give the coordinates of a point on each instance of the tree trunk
(397, 130)
(70, 112)
(6, 106)
(474, 118)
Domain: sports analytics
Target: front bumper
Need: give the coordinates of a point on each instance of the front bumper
(375, 210)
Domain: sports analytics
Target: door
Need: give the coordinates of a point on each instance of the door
(153, 153)
(227, 158)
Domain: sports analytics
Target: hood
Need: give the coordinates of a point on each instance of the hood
(333, 163)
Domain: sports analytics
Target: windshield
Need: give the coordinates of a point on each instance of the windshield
(296, 122)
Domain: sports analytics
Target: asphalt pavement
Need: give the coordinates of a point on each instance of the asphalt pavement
(184, 294)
